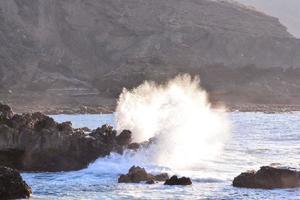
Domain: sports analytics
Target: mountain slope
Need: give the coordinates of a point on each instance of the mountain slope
(62, 51)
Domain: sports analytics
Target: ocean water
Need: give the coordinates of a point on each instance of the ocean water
(257, 139)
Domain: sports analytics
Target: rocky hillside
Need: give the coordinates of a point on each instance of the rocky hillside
(85, 51)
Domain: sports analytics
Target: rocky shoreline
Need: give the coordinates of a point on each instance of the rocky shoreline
(35, 142)
(268, 177)
(12, 186)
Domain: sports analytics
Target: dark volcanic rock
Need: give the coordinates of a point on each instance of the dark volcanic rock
(138, 174)
(12, 185)
(174, 180)
(268, 178)
(35, 142)
(135, 175)
(124, 138)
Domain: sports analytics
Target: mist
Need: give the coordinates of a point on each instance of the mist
(179, 115)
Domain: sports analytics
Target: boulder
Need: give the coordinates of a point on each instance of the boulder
(12, 185)
(268, 178)
(35, 142)
(138, 174)
(124, 138)
(174, 180)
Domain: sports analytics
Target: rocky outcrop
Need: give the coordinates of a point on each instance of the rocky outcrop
(138, 174)
(12, 185)
(268, 178)
(174, 180)
(35, 142)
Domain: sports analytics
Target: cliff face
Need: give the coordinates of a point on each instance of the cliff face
(59, 49)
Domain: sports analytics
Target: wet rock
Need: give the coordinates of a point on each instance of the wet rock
(138, 174)
(150, 182)
(124, 179)
(174, 180)
(12, 185)
(268, 178)
(124, 138)
(45, 123)
(134, 146)
(38, 143)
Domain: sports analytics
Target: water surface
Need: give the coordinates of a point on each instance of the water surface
(257, 139)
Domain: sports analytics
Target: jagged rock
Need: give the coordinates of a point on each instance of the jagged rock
(38, 143)
(45, 123)
(138, 174)
(124, 138)
(174, 180)
(134, 146)
(135, 175)
(268, 178)
(12, 185)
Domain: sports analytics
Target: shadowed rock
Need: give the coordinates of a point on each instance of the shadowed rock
(138, 174)
(124, 138)
(268, 178)
(35, 142)
(12, 185)
(174, 180)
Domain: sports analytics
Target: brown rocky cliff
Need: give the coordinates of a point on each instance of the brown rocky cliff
(84, 51)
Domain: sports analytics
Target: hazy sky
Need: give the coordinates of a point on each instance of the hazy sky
(288, 11)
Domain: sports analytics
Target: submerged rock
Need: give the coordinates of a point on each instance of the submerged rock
(12, 185)
(35, 142)
(138, 174)
(268, 178)
(174, 180)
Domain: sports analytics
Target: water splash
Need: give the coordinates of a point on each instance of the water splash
(178, 113)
